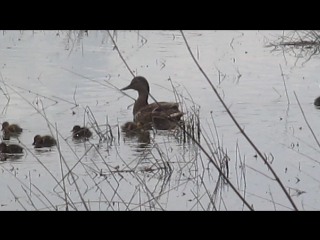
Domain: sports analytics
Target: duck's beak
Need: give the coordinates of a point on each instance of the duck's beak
(126, 88)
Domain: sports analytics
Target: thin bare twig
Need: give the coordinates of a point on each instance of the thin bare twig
(116, 47)
(305, 119)
(241, 130)
(284, 83)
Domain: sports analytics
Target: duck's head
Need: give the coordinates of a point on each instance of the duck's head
(4, 125)
(76, 128)
(139, 84)
(129, 126)
(36, 139)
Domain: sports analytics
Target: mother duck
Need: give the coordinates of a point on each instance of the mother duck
(163, 114)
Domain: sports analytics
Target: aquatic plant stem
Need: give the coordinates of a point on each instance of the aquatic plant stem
(197, 143)
(284, 83)
(116, 47)
(305, 119)
(124, 61)
(239, 127)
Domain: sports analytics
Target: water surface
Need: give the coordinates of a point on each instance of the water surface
(53, 80)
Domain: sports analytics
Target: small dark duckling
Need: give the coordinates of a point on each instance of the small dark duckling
(81, 132)
(11, 128)
(11, 148)
(135, 127)
(164, 124)
(130, 126)
(43, 141)
(317, 102)
(137, 130)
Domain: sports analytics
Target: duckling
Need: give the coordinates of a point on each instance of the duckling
(11, 128)
(131, 126)
(136, 130)
(11, 148)
(165, 124)
(81, 132)
(317, 102)
(43, 141)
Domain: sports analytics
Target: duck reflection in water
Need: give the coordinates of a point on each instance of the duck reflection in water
(11, 151)
(9, 157)
(6, 136)
(134, 130)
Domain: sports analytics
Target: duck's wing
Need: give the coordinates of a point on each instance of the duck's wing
(161, 106)
(161, 110)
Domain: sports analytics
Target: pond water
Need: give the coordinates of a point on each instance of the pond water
(53, 80)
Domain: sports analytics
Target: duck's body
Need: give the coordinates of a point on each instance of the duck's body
(11, 148)
(44, 141)
(81, 132)
(166, 113)
(11, 128)
(161, 111)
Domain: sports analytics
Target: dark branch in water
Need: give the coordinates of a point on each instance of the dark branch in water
(243, 133)
(116, 47)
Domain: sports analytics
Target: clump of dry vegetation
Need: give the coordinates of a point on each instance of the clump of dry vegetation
(146, 180)
(299, 43)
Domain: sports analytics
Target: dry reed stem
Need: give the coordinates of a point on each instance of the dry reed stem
(242, 132)
(284, 83)
(164, 171)
(23, 184)
(61, 157)
(306, 42)
(192, 129)
(120, 55)
(5, 93)
(305, 119)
